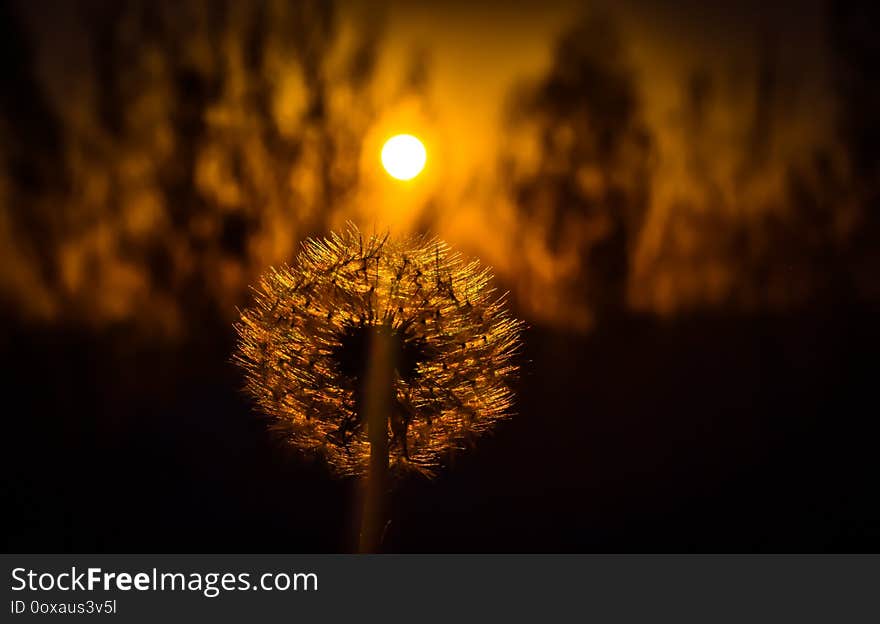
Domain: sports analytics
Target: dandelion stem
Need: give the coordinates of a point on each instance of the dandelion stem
(377, 405)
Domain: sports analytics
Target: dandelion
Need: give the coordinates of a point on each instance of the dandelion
(321, 332)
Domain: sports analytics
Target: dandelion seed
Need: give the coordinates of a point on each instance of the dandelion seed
(453, 342)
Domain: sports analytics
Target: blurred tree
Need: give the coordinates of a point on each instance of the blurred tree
(755, 203)
(852, 29)
(31, 172)
(582, 186)
(212, 138)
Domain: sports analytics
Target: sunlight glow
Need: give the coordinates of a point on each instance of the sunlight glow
(403, 156)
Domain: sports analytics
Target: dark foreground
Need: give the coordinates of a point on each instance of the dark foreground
(708, 434)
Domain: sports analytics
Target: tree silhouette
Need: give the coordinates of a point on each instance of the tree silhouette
(589, 191)
(217, 136)
(31, 172)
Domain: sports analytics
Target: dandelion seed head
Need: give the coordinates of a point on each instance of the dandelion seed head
(303, 345)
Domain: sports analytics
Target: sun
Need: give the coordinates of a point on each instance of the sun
(403, 156)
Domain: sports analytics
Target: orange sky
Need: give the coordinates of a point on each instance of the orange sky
(477, 53)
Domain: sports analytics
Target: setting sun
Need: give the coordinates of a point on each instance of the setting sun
(403, 156)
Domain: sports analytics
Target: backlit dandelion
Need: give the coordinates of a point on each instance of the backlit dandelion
(449, 344)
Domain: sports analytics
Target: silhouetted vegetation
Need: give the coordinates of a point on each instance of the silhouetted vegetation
(586, 197)
(211, 139)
